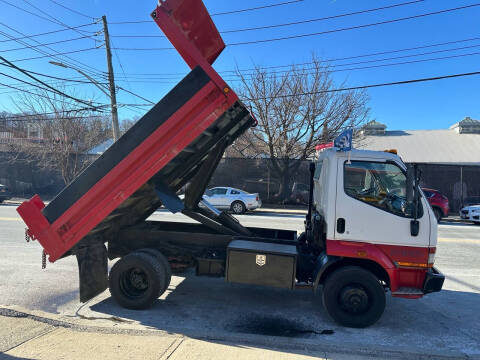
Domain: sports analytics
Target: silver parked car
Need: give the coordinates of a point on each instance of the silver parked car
(238, 201)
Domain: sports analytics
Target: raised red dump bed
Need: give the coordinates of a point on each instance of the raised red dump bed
(163, 149)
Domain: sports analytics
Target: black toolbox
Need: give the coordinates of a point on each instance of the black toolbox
(261, 263)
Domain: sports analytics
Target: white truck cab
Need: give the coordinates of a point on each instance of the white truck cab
(363, 224)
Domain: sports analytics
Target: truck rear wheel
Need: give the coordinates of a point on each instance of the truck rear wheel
(353, 297)
(163, 260)
(137, 280)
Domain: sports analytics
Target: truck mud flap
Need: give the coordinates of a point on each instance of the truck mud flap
(92, 269)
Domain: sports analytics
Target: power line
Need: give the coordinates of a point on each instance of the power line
(140, 97)
(55, 20)
(46, 33)
(53, 77)
(95, 108)
(256, 8)
(322, 18)
(45, 44)
(49, 55)
(123, 72)
(233, 72)
(309, 34)
(219, 13)
(373, 85)
(287, 24)
(27, 11)
(250, 76)
(43, 83)
(72, 10)
(391, 58)
(81, 65)
(354, 27)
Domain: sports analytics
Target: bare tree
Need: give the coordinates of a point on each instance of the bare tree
(57, 133)
(296, 109)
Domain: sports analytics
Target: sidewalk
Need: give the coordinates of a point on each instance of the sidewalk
(22, 337)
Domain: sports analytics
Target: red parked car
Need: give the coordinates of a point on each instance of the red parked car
(438, 202)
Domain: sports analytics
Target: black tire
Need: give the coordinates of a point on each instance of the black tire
(353, 297)
(238, 207)
(163, 260)
(438, 214)
(136, 280)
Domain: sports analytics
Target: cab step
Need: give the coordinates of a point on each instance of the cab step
(407, 291)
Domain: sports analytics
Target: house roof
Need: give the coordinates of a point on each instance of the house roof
(427, 146)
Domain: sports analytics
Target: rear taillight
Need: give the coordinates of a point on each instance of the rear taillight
(257, 198)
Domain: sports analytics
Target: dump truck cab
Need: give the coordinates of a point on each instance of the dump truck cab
(362, 224)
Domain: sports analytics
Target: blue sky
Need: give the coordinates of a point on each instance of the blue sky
(432, 105)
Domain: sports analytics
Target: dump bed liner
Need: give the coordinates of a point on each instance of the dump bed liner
(163, 150)
(173, 101)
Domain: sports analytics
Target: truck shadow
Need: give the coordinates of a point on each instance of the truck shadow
(212, 310)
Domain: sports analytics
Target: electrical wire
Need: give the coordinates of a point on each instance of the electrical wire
(71, 61)
(219, 13)
(56, 21)
(71, 10)
(123, 72)
(53, 77)
(308, 34)
(49, 55)
(140, 97)
(43, 96)
(174, 76)
(412, 81)
(45, 44)
(47, 33)
(43, 83)
(354, 27)
(321, 19)
(291, 23)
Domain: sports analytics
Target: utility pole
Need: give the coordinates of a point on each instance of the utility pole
(111, 80)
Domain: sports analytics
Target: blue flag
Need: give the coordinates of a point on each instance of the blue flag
(343, 142)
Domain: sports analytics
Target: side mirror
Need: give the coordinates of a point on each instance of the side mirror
(413, 197)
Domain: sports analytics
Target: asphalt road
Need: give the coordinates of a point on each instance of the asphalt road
(446, 322)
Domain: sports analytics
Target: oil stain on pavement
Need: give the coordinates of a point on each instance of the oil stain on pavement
(273, 326)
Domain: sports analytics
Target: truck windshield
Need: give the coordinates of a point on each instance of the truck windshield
(382, 185)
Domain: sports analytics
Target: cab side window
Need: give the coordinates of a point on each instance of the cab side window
(382, 185)
(234, 192)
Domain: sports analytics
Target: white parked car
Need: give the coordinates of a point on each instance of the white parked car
(238, 201)
(471, 212)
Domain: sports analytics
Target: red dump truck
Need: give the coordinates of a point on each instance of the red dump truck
(368, 229)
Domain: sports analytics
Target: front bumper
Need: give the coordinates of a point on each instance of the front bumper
(433, 281)
(470, 215)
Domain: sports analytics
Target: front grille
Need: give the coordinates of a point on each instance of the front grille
(476, 217)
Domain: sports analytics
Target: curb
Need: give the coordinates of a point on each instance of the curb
(255, 340)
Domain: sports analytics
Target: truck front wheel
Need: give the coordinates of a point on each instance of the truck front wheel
(137, 280)
(353, 297)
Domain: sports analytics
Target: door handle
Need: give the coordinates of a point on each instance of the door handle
(340, 225)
